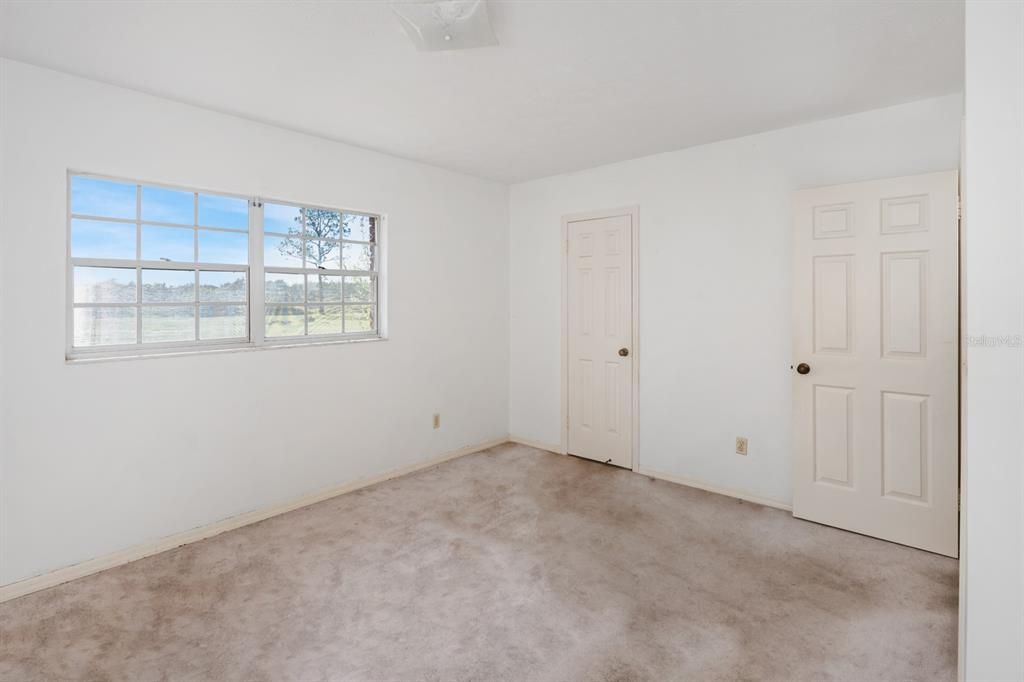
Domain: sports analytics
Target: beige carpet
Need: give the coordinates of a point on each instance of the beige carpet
(511, 564)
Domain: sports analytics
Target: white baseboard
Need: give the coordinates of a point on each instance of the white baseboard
(557, 449)
(689, 482)
(68, 573)
(766, 501)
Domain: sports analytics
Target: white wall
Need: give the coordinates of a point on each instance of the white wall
(992, 482)
(101, 457)
(715, 310)
(95, 458)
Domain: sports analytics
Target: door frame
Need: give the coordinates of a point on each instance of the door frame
(633, 211)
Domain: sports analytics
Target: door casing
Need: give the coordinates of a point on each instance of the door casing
(634, 214)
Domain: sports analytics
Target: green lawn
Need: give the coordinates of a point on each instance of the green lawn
(110, 326)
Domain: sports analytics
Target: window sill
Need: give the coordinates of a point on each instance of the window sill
(89, 359)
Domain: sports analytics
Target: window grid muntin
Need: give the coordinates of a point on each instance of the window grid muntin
(306, 304)
(140, 305)
(304, 236)
(138, 264)
(255, 256)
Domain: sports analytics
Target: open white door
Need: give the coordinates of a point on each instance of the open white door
(875, 354)
(599, 335)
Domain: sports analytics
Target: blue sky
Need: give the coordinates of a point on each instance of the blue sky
(111, 199)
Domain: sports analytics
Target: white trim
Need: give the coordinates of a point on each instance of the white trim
(102, 563)
(678, 480)
(256, 290)
(382, 287)
(173, 226)
(180, 351)
(547, 447)
(633, 212)
(157, 265)
(288, 270)
(718, 490)
(961, 351)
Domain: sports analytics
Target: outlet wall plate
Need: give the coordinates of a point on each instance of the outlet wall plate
(741, 445)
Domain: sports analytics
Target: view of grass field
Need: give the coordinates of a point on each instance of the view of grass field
(180, 303)
(99, 326)
(287, 320)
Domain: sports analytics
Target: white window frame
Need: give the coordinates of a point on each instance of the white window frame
(260, 329)
(255, 302)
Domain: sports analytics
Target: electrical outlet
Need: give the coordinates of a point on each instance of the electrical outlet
(741, 445)
(437, 420)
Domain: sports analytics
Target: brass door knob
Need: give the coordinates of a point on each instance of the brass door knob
(623, 352)
(803, 368)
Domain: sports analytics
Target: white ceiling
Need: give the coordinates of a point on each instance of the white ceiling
(573, 84)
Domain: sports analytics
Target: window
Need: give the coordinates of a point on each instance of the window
(153, 268)
(320, 268)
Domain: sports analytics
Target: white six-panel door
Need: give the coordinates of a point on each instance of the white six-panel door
(599, 328)
(875, 314)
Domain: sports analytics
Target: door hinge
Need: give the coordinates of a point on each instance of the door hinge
(959, 208)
